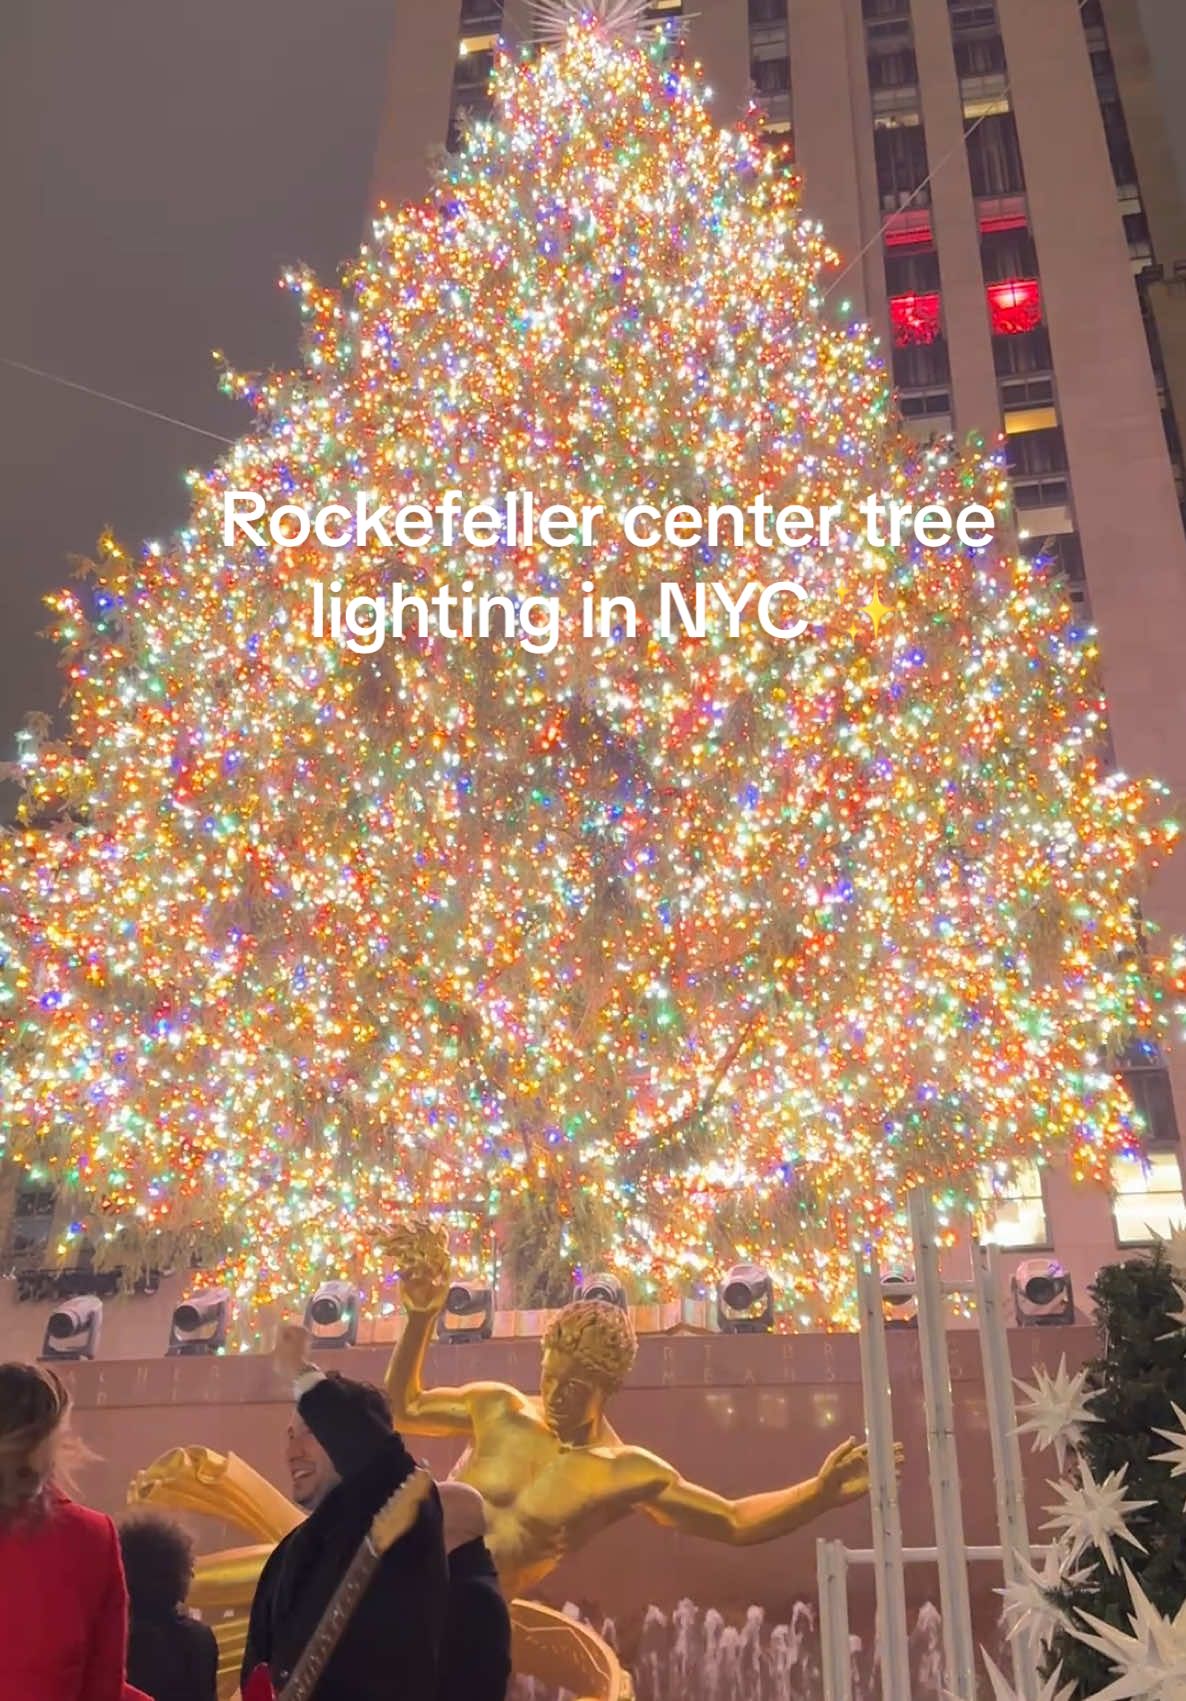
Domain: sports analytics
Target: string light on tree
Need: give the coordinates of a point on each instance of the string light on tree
(655, 952)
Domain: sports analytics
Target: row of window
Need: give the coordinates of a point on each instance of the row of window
(1147, 1204)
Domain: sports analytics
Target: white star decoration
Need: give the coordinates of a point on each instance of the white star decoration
(1003, 1690)
(1177, 1437)
(1026, 1605)
(1174, 1246)
(1178, 1317)
(1056, 1409)
(1152, 1661)
(1092, 1514)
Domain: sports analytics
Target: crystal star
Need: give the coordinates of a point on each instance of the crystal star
(1092, 1514)
(1003, 1690)
(1174, 1246)
(1177, 1437)
(1056, 1409)
(1178, 1317)
(1026, 1604)
(1152, 1661)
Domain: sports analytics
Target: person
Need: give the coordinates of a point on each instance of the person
(171, 1655)
(63, 1604)
(476, 1652)
(550, 1466)
(345, 1461)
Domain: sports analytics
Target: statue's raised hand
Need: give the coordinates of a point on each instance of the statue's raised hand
(421, 1255)
(844, 1474)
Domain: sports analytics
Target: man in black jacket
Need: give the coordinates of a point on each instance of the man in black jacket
(346, 1461)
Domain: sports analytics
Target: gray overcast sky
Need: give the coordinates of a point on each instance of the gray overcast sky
(159, 165)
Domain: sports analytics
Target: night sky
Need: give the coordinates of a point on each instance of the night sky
(161, 164)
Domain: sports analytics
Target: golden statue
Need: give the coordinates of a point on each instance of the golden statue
(550, 1466)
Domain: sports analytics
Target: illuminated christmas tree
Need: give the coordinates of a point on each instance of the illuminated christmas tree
(656, 948)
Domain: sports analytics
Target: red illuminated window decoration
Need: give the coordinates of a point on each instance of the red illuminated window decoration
(915, 318)
(910, 227)
(1015, 306)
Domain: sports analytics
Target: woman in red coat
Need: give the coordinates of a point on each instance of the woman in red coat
(63, 1605)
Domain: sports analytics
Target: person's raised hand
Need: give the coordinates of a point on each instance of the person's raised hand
(290, 1355)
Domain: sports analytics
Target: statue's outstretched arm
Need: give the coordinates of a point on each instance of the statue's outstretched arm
(843, 1477)
(423, 1264)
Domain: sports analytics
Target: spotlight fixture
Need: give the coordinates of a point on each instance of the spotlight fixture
(898, 1299)
(72, 1331)
(745, 1301)
(331, 1316)
(1043, 1295)
(604, 1287)
(468, 1314)
(200, 1324)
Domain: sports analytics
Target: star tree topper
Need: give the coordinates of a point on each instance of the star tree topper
(616, 18)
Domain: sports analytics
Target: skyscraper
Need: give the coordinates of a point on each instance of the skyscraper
(997, 177)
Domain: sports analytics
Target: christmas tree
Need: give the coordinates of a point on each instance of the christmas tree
(660, 947)
(1133, 1576)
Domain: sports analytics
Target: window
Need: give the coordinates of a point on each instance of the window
(1014, 307)
(885, 8)
(1036, 454)
(31, 1226)
(1015, 356)
(1124, 166)
(916, 318)
(1062, 555)
(1008, 254)
(901, 152)
(1149, 1088)
(1140, 243)
(771, 76)
(972, 15)
(994, 156)
(1015, 1209)
(767, 11)
(922, 366)
(473, 72)
(911, 271)
(1053, 491)
(897, 69)
(481, 12)
(1148, 1198)
(1028, 393)
(979, 56)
